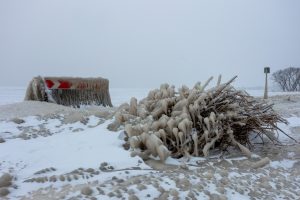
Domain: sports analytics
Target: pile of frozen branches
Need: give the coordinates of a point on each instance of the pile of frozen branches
(193, 121)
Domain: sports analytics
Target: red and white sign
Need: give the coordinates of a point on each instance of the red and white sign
(72, 83)
(58, 84)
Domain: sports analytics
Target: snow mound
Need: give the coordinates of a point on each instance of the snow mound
(31, 108)
(48, 110)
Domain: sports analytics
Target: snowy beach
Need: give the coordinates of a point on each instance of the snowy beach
(57, 152)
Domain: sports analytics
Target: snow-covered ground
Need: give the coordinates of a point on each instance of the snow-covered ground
(54, 152)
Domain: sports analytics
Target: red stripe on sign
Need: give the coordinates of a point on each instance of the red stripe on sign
(49, 83)
(64, 85)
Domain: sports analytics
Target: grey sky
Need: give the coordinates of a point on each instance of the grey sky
(138, 43)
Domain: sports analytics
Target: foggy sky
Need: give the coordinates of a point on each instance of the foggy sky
(143, 43)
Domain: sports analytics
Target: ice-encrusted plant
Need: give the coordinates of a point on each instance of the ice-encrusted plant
(194, 121)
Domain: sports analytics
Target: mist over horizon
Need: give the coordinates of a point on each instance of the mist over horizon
(141, 44)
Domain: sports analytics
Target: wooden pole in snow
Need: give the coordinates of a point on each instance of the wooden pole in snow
(267, 71)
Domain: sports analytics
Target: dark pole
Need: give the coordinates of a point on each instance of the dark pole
(267, 71)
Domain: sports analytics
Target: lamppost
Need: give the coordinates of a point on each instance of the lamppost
(267, 71)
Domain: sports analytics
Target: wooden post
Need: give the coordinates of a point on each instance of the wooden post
(267, 71)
